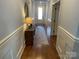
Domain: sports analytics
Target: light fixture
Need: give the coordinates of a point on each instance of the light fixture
(28, 20)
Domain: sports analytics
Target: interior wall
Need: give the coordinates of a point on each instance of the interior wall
(68, 29)
(69, 16)
(37, 4)
(44, 5)
(11, 31)
(78, 30)
(30, 7)
(10, 17)
(50, 9)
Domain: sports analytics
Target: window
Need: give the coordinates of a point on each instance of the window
(40, 11)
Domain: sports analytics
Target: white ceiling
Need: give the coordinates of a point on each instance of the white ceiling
(41, 0)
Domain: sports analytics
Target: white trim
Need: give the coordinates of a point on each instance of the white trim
(71, 35)
(21, 51)
(59, 51)
(55, 2)
(9, 36)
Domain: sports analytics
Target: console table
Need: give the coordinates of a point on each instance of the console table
(29, 36)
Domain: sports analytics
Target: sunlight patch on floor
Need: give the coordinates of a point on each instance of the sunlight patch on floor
(39, 57)
(40, 37)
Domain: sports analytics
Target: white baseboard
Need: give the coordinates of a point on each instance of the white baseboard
(59, 51)
(21, 51)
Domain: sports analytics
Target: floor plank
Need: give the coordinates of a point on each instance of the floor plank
(45, 51)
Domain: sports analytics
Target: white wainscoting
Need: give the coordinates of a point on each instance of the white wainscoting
(65, 43)
(12, 46)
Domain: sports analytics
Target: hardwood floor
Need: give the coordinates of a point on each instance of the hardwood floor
(45, 51)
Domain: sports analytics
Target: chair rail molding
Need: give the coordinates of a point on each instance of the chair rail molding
(10, 35)
(72, 36)
(12, 46)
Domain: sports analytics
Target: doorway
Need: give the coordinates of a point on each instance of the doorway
(55, 15)
(26, 9)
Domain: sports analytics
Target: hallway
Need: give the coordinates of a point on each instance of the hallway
(62, 17)
(42, 48)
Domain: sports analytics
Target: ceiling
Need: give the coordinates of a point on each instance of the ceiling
(40, 0)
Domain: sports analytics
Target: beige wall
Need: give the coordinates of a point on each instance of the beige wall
(68, 29)
(11, 31)
(69, 16)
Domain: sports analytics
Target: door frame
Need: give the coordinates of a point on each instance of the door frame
(55, 16)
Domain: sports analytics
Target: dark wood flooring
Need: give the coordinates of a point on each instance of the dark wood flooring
(44, 52)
